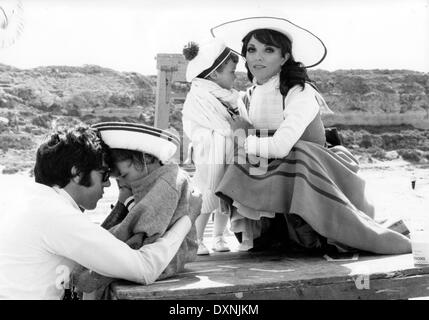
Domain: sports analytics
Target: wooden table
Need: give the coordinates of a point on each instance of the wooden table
(243, 275)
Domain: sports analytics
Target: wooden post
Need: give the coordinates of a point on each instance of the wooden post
(163, 92)
(171, 68)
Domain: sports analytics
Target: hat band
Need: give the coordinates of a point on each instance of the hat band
(219, 60)
(137, 128)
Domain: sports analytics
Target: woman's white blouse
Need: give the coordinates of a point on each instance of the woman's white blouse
(266, 112)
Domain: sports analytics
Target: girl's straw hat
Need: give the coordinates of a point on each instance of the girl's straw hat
(132, 136)
(306, 47)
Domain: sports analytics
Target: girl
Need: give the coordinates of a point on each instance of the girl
(208, 112)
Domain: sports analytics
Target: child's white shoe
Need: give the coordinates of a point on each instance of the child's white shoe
(202, 249)
(245, 245)
(220, 245)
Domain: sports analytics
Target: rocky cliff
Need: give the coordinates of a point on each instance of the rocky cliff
(34, 101)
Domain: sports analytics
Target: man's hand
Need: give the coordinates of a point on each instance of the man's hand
(124, 192)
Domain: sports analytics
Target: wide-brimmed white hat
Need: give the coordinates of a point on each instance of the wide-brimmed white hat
(205, 57)
(306, 47)
(132, 136)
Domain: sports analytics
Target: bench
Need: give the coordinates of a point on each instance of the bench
(261, 276)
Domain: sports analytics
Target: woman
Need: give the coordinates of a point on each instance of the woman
(307, 194)
(161, 194)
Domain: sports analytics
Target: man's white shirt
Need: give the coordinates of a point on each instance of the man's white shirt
(44, 235)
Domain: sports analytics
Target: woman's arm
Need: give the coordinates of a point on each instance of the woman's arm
(301, 108)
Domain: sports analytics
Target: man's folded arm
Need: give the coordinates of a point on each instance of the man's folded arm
(86, 243)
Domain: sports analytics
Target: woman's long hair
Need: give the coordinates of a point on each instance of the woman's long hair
(292, 72)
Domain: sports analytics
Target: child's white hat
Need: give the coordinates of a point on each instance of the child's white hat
(139, 137)
(205, 58)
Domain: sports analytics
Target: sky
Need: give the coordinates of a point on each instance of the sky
(126, 35)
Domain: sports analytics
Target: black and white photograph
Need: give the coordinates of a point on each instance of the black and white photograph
(233, 151)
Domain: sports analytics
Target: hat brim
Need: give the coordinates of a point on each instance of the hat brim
(131, 136)
(307, 48)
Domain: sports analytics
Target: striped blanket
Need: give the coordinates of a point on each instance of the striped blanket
(319, 185)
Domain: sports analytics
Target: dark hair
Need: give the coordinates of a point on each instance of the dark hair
(232, 57)
(292, 72)
(80, 147)
(138, 158)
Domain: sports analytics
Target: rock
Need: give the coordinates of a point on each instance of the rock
(365, 158)
(4, 121)
(43, 120)
(411, 155)
(391, 155)
(37, 131)
(27, 128)
(7, 101)
(366, 141)
(10, 170)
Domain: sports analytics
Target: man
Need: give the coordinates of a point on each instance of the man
(45, 234)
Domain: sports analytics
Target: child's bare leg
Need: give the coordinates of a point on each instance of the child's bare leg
(220, 222)
(200, 225)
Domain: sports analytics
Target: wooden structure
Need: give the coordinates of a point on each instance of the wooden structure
(171, 68)
(261, 276)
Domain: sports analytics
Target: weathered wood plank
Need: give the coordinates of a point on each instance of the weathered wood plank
(274, 276)
(171, 68)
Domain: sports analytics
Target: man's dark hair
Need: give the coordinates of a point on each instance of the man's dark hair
(80, 147)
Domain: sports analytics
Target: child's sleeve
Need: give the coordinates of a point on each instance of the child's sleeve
(151, 215)
(118, 213)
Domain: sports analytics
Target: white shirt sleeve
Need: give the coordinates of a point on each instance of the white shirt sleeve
(301, 108)
(77, 238)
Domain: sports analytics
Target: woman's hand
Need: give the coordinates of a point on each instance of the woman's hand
(124, 192)
(239, 123)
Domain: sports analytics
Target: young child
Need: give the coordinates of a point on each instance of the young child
(161, 191)
(209, 112)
